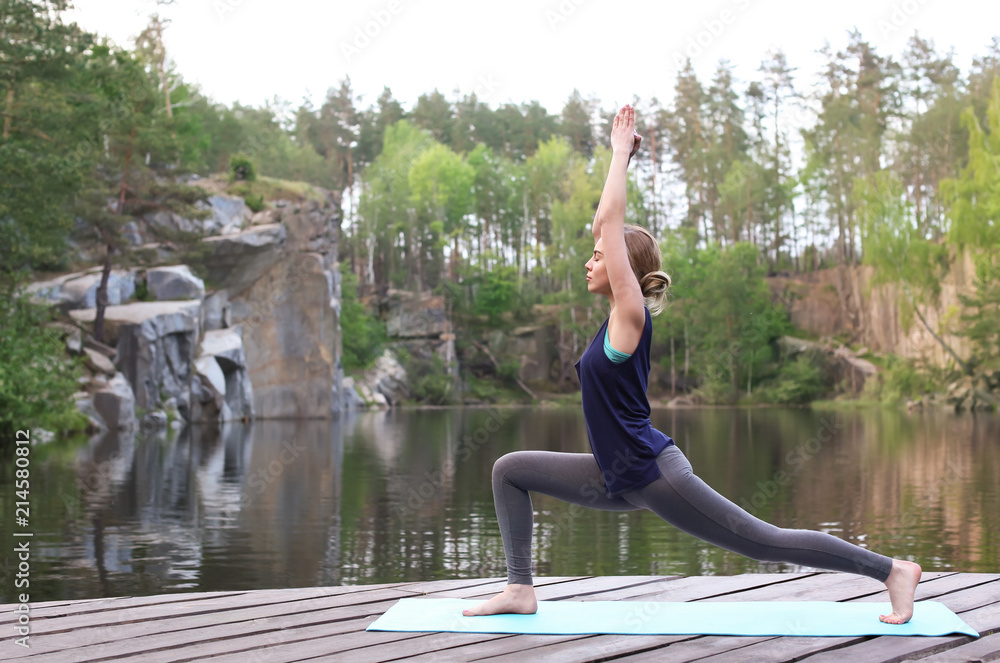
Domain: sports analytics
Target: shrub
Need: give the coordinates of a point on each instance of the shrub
(363, 333)
(428, 382)
(241, 168)
(37, 379)
(255, 203)
(901, 380)
(798, 381)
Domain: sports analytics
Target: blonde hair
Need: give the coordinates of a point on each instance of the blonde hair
(645, 260)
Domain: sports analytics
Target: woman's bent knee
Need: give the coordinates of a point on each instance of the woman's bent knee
(508, 462)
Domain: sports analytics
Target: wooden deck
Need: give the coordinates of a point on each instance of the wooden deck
(328, 624)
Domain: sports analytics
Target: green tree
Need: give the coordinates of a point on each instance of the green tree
(40, 57)
(975, 224)
(441, 196)
(891, 243)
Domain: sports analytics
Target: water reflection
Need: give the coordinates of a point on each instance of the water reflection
(406, 495)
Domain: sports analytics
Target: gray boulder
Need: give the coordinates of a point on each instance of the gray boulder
(79, 290)
(222, 391)
(115, 403)
(238, 260)
(171, 222)
(229, 214)
(413, 315)
(174, 283)
(156, 343)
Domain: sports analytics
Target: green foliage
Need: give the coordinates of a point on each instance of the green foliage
(798, 381)
(900, 380)
(723, 308)
(510, 370)
(37, 379)
(982, 319)
(363, 334)
(975, 193)
(256, 203)
(142, 292)
(241, 168)
(892, 242)
(495, 293)
(428, 382)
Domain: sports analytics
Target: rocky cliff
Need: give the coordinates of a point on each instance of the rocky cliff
(842, 301)
(259, 337)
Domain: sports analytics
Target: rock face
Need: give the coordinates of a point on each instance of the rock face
(222, 390)
(841, 300)
(156, 344)
(291, 333)
(176, 282)
(238, 260)
(264, 340)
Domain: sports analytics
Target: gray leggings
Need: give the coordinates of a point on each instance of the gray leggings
(677, 496)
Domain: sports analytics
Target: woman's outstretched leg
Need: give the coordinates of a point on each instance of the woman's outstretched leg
(689, 504)
(571, 477)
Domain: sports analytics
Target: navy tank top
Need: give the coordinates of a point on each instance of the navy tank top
(616, 410)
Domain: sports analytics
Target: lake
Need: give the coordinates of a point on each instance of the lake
(405, 495)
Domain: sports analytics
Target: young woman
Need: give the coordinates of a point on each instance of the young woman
(633, 465)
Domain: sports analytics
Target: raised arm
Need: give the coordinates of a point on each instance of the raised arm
(596, 225)
(610, 220)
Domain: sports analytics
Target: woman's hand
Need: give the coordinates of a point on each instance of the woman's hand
(623, 136)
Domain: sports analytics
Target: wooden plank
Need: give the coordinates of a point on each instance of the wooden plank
(55, 609)
(168, 647)
(145, 629)
(297, 623)
(296, 599)
(75, 631)
(364, 645)
(986, 648)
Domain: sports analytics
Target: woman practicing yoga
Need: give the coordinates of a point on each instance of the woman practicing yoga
(633, 465)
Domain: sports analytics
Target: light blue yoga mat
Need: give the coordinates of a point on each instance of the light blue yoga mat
(797, 618)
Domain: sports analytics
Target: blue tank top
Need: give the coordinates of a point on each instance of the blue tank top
(616, 410)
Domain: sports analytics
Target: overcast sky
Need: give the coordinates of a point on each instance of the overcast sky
(518, 50)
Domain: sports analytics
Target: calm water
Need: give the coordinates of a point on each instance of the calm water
(405, 495)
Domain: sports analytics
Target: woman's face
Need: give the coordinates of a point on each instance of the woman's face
(597, 274)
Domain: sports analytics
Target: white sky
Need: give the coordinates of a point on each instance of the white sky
(518, 50)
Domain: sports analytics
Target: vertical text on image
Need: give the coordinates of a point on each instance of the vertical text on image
(22, 549)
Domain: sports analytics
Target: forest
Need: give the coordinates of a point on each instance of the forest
(885, 160)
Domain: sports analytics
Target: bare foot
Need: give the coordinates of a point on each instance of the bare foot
(516, 599)
(902, 583)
